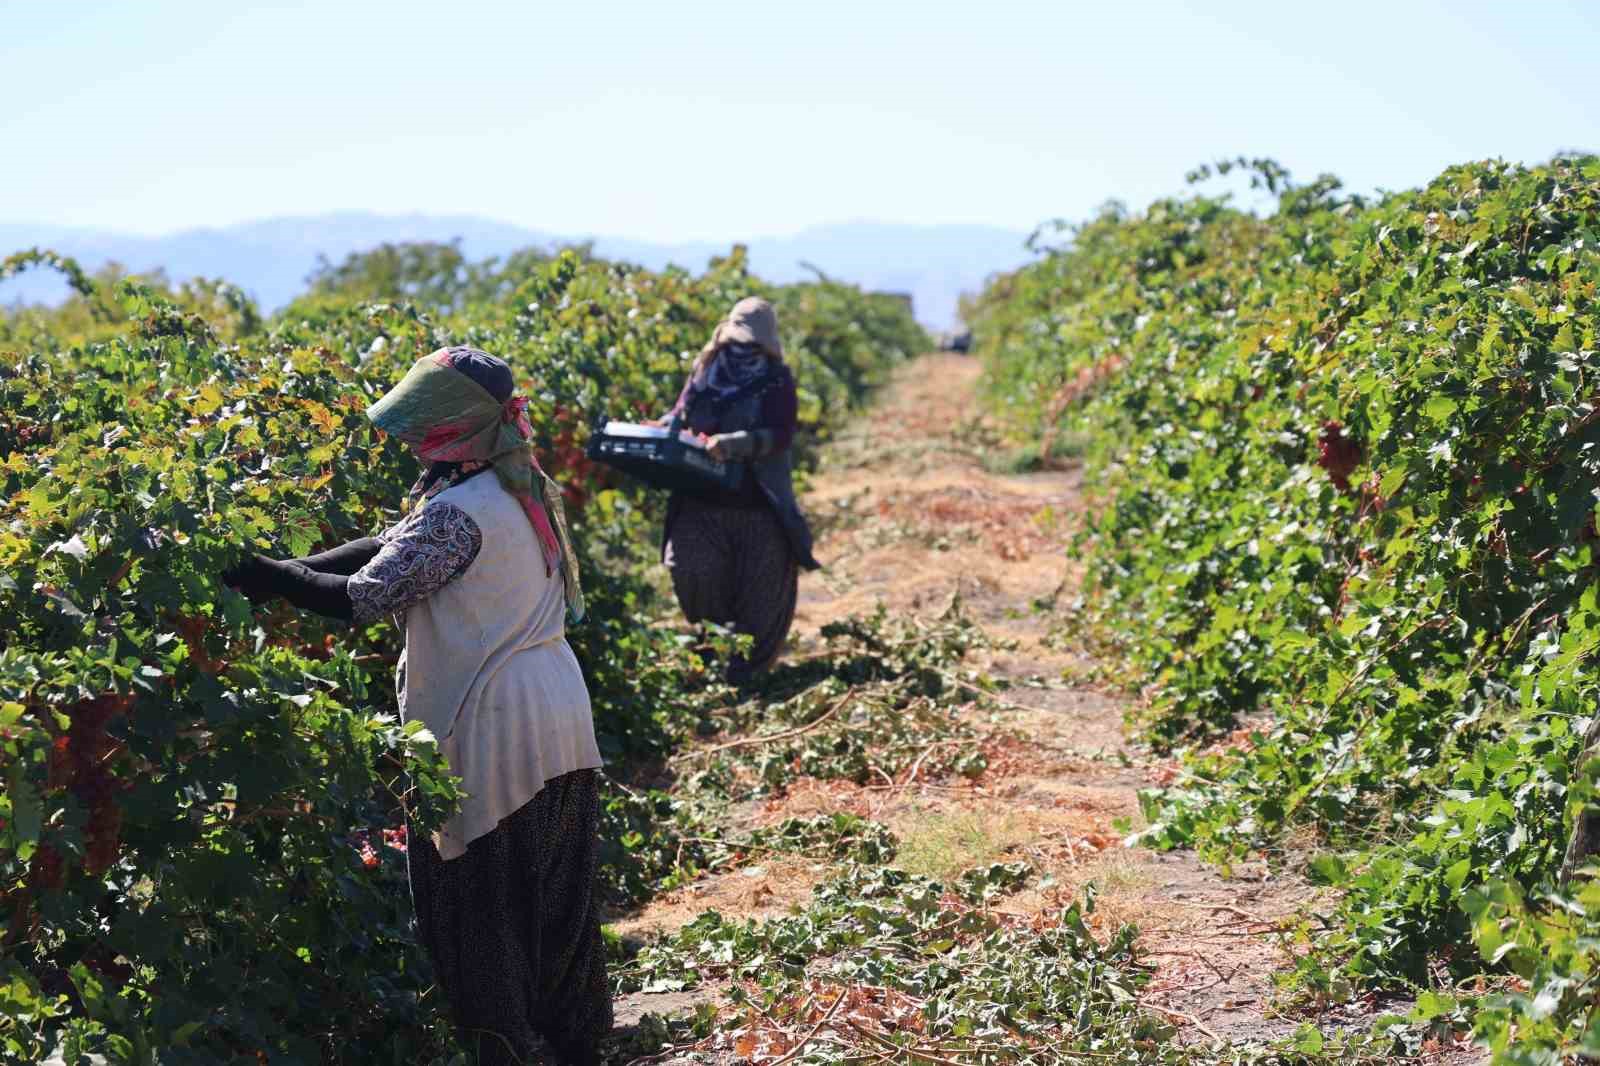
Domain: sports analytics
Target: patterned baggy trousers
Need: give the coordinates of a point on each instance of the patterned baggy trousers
(733, 566)
(513, 927)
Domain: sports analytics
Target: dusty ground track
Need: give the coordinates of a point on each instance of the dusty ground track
(910, 515)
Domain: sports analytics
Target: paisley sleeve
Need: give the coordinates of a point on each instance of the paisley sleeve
(419, 556)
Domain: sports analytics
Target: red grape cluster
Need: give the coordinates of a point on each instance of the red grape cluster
(81, 760)
(361, 841)
(192, 628)
(31, 434)
(46, 871)
(570, 465)
(1337, 454)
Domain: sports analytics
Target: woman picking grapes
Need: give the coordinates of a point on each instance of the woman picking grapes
(483, 574)
(735, 557)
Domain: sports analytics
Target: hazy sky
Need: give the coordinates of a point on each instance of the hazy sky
(688, 120)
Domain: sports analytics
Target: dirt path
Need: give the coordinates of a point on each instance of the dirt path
(911, 512)
(944, 523)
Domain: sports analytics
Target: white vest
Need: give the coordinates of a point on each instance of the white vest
(490, 673)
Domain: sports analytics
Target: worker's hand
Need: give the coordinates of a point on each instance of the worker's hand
(731, 446)
(251, 578)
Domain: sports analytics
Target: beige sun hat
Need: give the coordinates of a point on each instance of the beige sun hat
(752, 321)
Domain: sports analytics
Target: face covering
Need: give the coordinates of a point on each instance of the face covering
(443, 411)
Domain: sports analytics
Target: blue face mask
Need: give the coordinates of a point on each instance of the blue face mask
(735, 366)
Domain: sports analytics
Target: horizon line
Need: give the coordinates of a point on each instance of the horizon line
(354, 212)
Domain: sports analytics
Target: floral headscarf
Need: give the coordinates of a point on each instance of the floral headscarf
(448, 417)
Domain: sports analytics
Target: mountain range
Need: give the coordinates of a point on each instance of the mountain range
(271, 258)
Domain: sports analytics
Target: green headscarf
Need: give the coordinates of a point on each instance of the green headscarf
(446, 415)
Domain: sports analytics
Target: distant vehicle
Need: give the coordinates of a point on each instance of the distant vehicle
(954, 340)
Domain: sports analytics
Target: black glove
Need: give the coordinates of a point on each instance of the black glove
(346, 558)
(251, 578)
(261, 578)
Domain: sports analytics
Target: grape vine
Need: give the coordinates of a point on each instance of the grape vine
(1347, 465)
(199, 845)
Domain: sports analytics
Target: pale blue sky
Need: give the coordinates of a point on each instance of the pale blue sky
(690, 120)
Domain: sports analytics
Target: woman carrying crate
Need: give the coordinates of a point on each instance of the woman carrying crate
(484, 576)
(735, 556)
